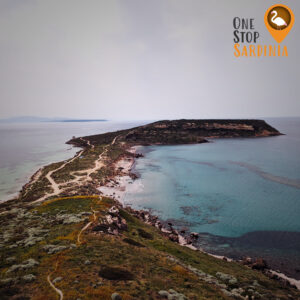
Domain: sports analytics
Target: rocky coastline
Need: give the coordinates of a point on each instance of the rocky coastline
(71, 214)
(183, 237)
(188, 239)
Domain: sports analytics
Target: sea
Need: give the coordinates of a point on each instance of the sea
(242, 195)
(26, 147)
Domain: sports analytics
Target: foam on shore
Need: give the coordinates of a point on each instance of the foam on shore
(120, 185)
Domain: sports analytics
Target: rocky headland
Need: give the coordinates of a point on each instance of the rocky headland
(184, 132)
(68, 236)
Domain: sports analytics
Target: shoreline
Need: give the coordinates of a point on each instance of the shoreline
(116, 187)
(63, 200)
(117, 190)
(26, 181)
(29, 177)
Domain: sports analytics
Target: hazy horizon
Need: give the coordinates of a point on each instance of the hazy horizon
(62, 119)
(141, 60)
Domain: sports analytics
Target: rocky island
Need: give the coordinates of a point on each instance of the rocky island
(62, 238)
(184, 132)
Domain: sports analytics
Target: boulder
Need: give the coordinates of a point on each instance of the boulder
(27, 264)
(113, 211)
(163, 293)
(57, 279)
(51, 249)
(100, 228)
(11, 259)
(226, 277)
(69, 218)
(123, 225)
(259, 264)
(31, 241)
(174, 237)
(29, 277)
(172, 295)
(247, 260)
(194, 235)
(116, 296)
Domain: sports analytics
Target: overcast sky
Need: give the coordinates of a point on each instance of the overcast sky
(141, 59)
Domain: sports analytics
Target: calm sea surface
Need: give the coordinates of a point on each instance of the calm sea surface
(25, 147)
(241, 195)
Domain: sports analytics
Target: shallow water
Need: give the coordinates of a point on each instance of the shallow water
(227, 189)
(25, 147)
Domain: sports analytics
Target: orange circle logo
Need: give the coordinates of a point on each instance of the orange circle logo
(279, 17)
(279, 20)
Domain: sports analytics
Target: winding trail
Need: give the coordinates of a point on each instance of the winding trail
(79, 242)
(98, 164)
(89, 143)
(54, 185)
(58, 291)
(57, 188)
(34, 179)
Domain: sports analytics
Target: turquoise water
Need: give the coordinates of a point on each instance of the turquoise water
(241, 195)
(25, 147)
(227, 188)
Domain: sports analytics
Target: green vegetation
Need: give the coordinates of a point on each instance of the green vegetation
(89, 247)
(85, 161)
(40, 187)
(182, 132)
(72, 177)
(137, 263)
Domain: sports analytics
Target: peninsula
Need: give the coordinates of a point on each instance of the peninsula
(62, 238)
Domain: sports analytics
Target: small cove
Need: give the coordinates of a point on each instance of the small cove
(234, 192)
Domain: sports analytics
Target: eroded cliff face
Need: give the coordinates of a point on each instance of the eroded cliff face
(186, 132)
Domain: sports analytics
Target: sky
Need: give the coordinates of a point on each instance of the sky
(141, 60)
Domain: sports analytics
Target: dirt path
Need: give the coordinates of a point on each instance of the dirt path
(58, 291)
(79, 242)
(54, 185)
(58, 188)
(88, 142)
(98, 165)
(34, 179)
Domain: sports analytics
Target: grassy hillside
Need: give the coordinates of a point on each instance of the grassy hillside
(130, 258)
(83, 246)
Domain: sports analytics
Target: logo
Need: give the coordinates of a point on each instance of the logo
(279, 20)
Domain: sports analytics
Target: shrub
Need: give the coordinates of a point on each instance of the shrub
(133, 242)
(114, 273)
(144, 234)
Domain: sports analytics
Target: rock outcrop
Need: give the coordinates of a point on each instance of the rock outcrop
(183, 132)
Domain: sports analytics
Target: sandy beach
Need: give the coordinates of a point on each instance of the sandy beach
(123, 183)
(119, 185)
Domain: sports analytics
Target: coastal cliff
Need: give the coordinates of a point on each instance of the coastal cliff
(62, 237)
(184, 132)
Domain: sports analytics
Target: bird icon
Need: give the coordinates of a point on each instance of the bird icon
(278, 21)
